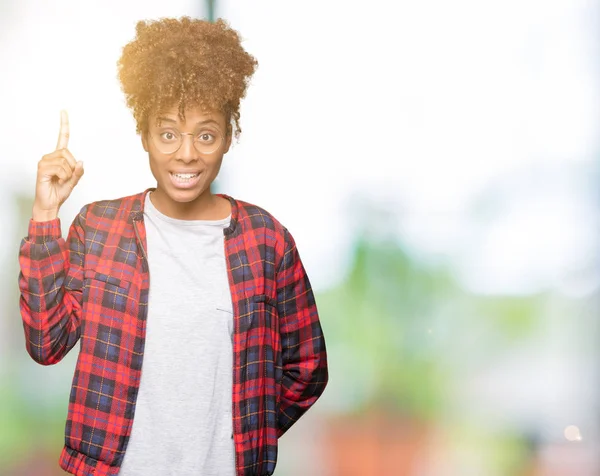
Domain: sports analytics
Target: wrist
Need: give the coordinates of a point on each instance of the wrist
(44, 215)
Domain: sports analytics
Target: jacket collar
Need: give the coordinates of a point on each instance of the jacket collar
(137, 210)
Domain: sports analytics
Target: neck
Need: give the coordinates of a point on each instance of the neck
(205, 207)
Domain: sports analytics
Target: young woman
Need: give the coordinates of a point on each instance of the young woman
(200, 341)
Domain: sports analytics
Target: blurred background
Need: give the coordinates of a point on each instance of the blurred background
(437, 163)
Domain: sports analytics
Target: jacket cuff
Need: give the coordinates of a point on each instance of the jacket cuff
(41, 232)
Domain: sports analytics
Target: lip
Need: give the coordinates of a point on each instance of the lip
(185, 185)
(185, 171)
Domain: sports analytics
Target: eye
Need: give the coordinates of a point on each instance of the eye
(206, 137)
(168, 136)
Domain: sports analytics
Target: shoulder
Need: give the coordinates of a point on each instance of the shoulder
(254, 217)
(256, 220)
(113, 209)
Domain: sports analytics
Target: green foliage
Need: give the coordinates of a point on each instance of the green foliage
(27, 429)
(513, 317)
(396, 327)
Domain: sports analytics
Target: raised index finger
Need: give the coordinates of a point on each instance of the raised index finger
(63, 136)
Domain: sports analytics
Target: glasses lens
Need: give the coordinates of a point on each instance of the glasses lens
(167, 142)
(208, 142)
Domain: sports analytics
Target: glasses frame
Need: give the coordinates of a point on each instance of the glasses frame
(156, 144)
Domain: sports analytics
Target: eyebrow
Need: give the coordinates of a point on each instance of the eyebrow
(167, 119)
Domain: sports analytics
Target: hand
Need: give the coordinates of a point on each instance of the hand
(57, 175)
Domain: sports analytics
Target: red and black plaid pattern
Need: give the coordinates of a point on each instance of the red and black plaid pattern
(94, 286)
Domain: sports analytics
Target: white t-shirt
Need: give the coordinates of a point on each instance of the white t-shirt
(183, 418)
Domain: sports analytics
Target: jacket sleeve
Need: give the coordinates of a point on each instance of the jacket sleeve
(304, 356)
(51, 284)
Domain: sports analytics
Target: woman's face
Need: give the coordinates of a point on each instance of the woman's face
(185, 157)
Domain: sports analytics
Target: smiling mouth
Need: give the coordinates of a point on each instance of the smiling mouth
(185, 180)
(185, 176)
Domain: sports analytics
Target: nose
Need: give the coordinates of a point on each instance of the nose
(187, 152)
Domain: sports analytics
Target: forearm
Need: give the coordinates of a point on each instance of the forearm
(303, 383)
(50, 308)
(304, 357)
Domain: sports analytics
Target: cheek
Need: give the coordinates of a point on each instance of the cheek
(156, 166)
(215, 167)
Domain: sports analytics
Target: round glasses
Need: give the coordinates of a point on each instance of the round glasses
(169, 141)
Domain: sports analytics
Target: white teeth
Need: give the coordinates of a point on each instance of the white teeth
(184, 176)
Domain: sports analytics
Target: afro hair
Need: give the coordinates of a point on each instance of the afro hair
(185, 63)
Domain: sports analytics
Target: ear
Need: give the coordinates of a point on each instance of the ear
(144, 136)
(228, 138)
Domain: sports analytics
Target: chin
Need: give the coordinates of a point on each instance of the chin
(184, 196)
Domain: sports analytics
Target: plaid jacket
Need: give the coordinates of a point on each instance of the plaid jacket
(93, 288)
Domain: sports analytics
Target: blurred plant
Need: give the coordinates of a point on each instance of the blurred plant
(398, 329)
(380, 322)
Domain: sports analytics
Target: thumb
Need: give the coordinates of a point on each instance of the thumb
(77, 173)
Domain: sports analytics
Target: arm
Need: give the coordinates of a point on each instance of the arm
(51, 283)
(303, 346)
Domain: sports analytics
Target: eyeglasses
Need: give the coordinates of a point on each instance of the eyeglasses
(169, 141)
